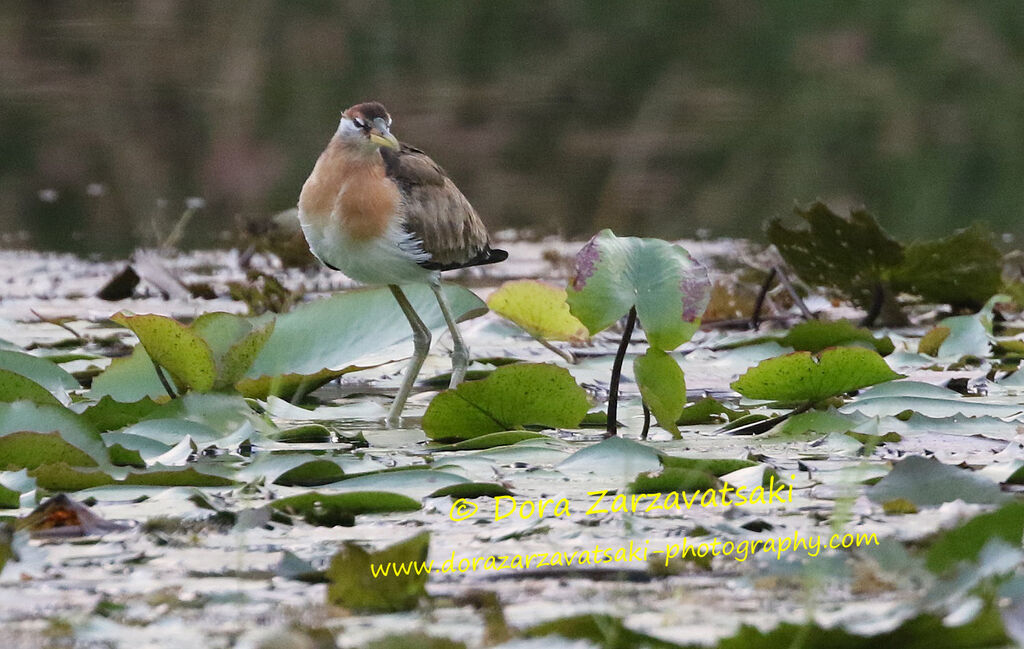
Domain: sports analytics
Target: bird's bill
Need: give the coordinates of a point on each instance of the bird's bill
(384, 139)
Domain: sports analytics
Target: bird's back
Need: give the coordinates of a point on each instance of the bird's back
(436, 214)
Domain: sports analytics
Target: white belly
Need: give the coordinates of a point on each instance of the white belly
(391, 259)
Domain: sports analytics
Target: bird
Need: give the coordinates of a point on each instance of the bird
(383, 213)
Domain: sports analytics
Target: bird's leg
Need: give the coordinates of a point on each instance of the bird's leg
(421, 346)
(460, 353)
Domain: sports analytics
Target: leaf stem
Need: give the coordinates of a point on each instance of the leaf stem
(163, 379)
(647, 421)
(613, 389)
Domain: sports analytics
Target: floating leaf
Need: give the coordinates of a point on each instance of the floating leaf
(108, 414)
(61, 477)
(662, 387)
(931, 342)
(353, 585)
(674, 479)
(926, 482)
(41, 371)
(311, 474)
(33, 434)
(964, 543)
(800, 376)
(539, 308)
(817, 335)
(513, 396)
(716, 466)
(614, 456)
(669, 289)
(963, 269)
(472, 490)
(14, 387)
(327, 510)
(706, 411)
(17, 489)
(128, 379)
(317, 341)
(491, 440)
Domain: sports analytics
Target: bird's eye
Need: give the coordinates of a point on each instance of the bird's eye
(358, 122)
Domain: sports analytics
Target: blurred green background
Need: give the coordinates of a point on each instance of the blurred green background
(671, 119)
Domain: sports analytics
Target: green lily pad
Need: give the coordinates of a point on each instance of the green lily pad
(128, 379)
(34, 434)
(305, 434)
(513, 396)
(852, 255)
(61, 477)
(539, 309)
(41, 371)
(491, 440)
(355, 584)
(614, 456)
(674, 479)
(801, 376)
(707, 411)
(817, 335)
(662, 387)
(926, 482)
(472, 490)
(327, 510)
(963, 269)
(318, 341)
(109, 414)
(964, 543)
(668, 288)
(14, 387)
(17, 489)
(311, 474)
(715, 466)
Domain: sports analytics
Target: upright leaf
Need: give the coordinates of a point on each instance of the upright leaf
(669, 289)
(662, 387)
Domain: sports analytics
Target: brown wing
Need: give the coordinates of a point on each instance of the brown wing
(437, 214)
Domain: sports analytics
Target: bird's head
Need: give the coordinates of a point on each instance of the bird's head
(367, 126)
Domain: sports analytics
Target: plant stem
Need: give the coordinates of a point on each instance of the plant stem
(163, 379)
(647, 421)
(613, 389)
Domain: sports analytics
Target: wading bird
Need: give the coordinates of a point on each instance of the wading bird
(383, 212)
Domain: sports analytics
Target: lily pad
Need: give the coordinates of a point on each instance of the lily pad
(966, 541)
(707, 411)
(34, 434)
(491, 440)
(319, 340)
(14, 387)
(109, 414)
(674, 479)
(357, 582)
(17, 489)
(963, 269)
(662, 387)
(41, 371)
(850, 254)
(614, 456)
(926, 482)
(539, 308)
(513, 396)
(328, 510)
(668, 288)
(801, 376)
(472, 490)
(817, 335)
